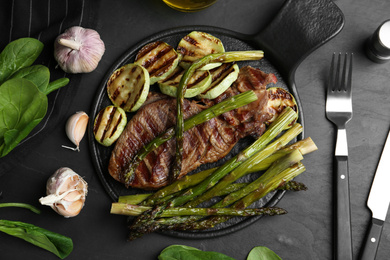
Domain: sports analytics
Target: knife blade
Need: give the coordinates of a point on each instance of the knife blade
(378, 202)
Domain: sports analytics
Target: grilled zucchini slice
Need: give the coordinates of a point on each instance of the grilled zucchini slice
(159, 59)
(196, 45)
(109, 125)
(198, 83)
(278, 100)
(222, 78)
(128, 87)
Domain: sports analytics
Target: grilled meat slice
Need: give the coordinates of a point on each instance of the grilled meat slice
(204, 143)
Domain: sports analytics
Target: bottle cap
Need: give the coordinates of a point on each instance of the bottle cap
(378, 45)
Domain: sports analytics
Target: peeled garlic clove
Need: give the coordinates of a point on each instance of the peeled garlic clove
(78, 50)
(75, 128)
(66, 192)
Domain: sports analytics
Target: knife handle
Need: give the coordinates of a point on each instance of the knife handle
(343, 243)
(372, 240)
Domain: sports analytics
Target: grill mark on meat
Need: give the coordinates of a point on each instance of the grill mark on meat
(204, 143)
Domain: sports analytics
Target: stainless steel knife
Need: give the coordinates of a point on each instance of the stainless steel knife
(378, 202)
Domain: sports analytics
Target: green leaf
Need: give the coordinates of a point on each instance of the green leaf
(262, 253)
(22, 107)
(181, 252)
(18, 54)
(37, 74)
(53, 242)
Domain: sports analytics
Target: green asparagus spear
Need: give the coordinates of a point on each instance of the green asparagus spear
(293, 186)
(305, 146)
(134, 210)
(205, 115)
(278, 166)
(224, 57)
(270, 185)
(137, 199)
(179, 185)
(140, 199)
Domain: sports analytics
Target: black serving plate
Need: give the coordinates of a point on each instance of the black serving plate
(299, 28)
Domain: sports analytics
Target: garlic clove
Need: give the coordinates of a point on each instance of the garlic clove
(66, 192)
(78, 50)
(70, 210)
(75, 129)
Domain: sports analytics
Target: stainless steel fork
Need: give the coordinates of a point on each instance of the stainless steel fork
(339, 111)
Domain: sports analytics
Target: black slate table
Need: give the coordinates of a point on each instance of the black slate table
(304, 233)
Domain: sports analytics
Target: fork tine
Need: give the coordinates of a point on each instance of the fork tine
(337, 78)
(331, 81)
(348, 85)
(344, 76)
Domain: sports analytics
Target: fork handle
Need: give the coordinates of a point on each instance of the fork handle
(343, 234)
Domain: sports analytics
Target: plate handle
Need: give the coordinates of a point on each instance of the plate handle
(300, 27)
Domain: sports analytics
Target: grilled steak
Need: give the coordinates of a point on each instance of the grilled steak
(204, 143)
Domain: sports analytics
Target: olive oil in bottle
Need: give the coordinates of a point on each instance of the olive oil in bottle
(189, 5)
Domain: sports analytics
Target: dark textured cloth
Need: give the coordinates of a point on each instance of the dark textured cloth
(44, 20)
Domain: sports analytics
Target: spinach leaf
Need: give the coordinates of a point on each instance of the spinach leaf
(53, 242)
(18, 54)
(181, 252)
(37, 74)
(262, 253)
(22, 107)
(40, 76)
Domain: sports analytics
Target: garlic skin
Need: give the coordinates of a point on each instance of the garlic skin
(78, 50)
(66, 192)
(75, 129)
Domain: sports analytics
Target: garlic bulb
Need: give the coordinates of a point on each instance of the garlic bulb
(75, 129)
(66, 192)
(78, 50)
